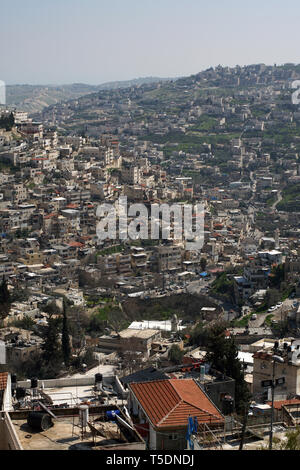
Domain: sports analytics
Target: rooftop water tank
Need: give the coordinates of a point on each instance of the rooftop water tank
(34, 382)
(39, 421)
(20, 393)
(98, 378)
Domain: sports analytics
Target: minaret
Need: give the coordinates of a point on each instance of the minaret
(2, 353)
(174, 323)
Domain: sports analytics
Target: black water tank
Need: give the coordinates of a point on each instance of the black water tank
(13, 378)
(13, 382)
(98, 378)
(227, 405)
(39, 421)
(34, 383)
(20, 392)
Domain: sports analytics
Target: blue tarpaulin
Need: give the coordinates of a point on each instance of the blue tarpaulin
(191, 429)
(195, 424)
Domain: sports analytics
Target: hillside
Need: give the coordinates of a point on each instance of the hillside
(186, 113)
(34, 98)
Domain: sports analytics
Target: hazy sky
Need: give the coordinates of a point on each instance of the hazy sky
(94, 41)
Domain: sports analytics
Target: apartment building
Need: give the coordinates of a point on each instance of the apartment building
(169, 258)
(286, 373)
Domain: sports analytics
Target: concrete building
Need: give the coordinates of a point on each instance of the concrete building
(136, 340)
(289, 370)
(169, 258)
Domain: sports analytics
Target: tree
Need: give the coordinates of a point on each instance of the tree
(65, 339)
(203, 263)
(198, 335)
(175, 354)
(7, 122)
(51, 347)
(5, 300)
(27, 323)
(235, 370)
(272, 297)
(277, 276)
(216, 346)
(222, 353)
(291, 441)
(50, 308)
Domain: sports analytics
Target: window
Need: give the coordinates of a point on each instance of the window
(173, 437)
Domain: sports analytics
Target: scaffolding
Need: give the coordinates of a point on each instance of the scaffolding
(209, 438)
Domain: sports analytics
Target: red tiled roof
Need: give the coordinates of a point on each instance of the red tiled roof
(169, 403)
(49, 216)
(262, 355)
(3, 380)
(76, 244)
(280, 403)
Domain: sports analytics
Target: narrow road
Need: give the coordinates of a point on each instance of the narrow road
(279, 198)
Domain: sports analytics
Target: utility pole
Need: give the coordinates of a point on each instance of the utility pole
(280, 360)
(245, 420)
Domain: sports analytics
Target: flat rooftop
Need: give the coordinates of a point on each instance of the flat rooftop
(66, 434)
(142, 334)
(61, 436)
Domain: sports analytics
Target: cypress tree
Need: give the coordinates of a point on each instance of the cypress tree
(51, 349)
(5, 300)
(223, 356)
(65, 340)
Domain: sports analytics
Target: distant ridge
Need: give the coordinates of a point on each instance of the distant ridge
(34, 98)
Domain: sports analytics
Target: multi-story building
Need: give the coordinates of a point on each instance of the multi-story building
(169, 258)
(286, 373)
(130, 174)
